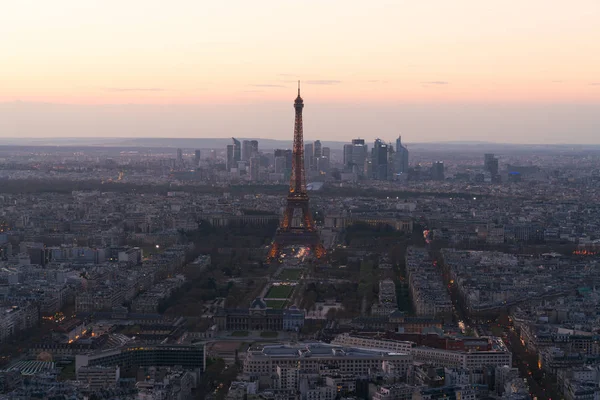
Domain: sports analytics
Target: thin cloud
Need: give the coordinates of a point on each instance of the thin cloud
(435, 83)
(253, 91)
(595, 84)
(135, 89)
(323, 82)
(286, 75)
(266, 85)
(559, 81)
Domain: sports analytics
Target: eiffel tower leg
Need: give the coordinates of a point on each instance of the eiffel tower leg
(319, 250)
(309, 224)
(288, 216)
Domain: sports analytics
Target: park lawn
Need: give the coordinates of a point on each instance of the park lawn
(279, 292)
(269, 334)
(291, 274)
(239, 333)
(277, 304)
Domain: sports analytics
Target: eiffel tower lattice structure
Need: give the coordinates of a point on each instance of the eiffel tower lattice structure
(306, 233)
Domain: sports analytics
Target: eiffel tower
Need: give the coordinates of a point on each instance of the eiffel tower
(306, 234)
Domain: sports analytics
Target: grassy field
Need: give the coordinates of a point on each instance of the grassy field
(290, 274)
(279, 292)
(269, 334)
(276, 303)
(239, 333)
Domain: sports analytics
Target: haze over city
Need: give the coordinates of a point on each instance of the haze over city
(510, 72)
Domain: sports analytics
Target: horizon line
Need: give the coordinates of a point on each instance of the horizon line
(83, 139)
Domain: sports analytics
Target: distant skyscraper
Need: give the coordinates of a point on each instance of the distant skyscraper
(379, 160)
(287, 156)
(197, 157)
(309, 158)
(279, 165)
(327, 152)
(437, 171)
(246, 150)
(317, 153)
(490, 164)
(401, 155)
(390, 162)
(249, 149)
(348, 156)
(230, 157)
(237, 150)
(179, 156)
(254, 168)
(359, 156)
(213, 154)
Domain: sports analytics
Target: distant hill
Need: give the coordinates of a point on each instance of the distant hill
(184, 143)
(268, 144)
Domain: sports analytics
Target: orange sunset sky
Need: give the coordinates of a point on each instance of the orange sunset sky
(431, 70)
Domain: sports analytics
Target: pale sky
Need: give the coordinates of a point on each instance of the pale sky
(511, 71)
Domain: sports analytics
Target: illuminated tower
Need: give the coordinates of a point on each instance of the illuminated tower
(297, 200)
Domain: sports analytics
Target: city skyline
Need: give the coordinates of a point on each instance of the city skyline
(427, 227)
(523, 72)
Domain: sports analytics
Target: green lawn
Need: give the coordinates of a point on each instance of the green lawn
(279, 292)
(239, 333)
(269, 334)
(276, 303)
(290, 274)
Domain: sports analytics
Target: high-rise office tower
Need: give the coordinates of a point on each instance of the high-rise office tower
(359, 156)
(179, 156)
(318, 150)
(246, 150)
(379, 160)
(347, 160)
(230, 161)
(254, 168)
(437, 171)
(197, 157)
(317, 153)
(213, 154)
(237, 150)
(390, 162)
(327, 152)
(249, 149)
(490, 164)
(287, 156)
(309, 159)
(401, 158)
(279, 165)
